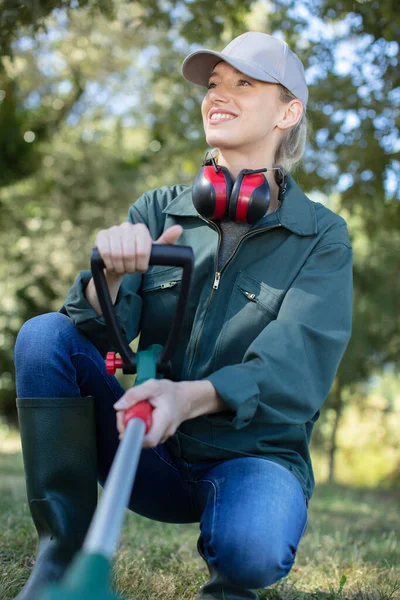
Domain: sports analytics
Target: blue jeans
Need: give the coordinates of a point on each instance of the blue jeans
(252, 512)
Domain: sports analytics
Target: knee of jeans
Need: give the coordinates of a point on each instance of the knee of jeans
(254, 568)
(42, 331)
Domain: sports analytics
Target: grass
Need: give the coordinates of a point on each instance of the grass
(351, 549)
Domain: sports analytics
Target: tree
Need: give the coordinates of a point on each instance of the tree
(16, 15)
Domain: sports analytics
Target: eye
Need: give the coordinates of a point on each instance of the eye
(242, 83)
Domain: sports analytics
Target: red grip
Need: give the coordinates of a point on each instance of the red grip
(112, 363)
(141, 410)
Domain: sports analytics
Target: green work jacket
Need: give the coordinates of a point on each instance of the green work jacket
(268, 330)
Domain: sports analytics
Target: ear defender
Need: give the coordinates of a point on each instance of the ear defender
(211, 191)
(250, 197)
(215, 196)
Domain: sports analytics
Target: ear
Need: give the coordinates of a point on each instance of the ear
(291, 114)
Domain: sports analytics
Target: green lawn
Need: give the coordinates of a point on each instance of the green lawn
(351, 549)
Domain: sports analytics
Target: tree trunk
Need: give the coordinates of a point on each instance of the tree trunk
(338, 406)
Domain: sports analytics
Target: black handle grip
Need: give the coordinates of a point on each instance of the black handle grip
(161, 254)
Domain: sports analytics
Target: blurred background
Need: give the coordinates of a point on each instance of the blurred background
(94, 111)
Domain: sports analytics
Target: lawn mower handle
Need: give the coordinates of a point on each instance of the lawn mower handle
(161, 254)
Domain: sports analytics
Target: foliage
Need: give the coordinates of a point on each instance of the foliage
(368, 448)
(352, 53)
(16, 14)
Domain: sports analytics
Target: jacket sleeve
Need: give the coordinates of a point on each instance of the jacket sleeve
(128, 304)
(291, 364)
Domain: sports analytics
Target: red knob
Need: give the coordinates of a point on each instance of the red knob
(141, 410)
(112, 363)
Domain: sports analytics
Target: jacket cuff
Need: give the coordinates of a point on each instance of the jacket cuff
(76, 306)
(239, 392)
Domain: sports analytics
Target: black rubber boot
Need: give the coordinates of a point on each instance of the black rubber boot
(219, 588)
(58, 438)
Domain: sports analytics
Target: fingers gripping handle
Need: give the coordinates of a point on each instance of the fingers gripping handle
(161, 254)
(141, 410)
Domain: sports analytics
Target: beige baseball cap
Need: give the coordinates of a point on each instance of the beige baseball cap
(259, 55)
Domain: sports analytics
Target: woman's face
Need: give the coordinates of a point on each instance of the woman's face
(239, 111)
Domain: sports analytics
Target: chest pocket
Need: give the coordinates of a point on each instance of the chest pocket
(264, 297)
(160, 291)
(252, 306)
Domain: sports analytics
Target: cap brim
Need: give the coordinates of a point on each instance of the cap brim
(198, 66)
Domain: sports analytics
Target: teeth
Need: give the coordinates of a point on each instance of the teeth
(216, 116)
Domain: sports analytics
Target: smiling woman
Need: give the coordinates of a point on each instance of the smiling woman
(290, 148)
(267, 321)
(247, 121)
(269, 86)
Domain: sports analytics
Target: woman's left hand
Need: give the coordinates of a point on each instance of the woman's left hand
(170, 408)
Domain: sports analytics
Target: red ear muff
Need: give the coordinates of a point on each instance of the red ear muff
(211, 191)
(250, 197)
(247, 201)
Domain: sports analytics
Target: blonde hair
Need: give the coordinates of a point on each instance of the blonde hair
(290, 149)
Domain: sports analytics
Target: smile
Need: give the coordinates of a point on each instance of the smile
(220, 117)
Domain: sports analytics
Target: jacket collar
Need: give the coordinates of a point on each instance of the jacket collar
(297, 212)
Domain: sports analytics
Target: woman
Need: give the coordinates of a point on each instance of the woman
(267, 322)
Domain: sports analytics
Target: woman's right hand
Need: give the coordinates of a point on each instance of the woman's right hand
(126, 248)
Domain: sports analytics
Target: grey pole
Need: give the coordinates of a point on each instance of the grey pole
(106, 524)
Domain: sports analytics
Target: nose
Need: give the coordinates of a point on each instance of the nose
(218, 94)
(218, 98)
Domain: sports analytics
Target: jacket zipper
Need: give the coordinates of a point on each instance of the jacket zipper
(217, 278)
(249, 295)
(162, 286)
(168, 285)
